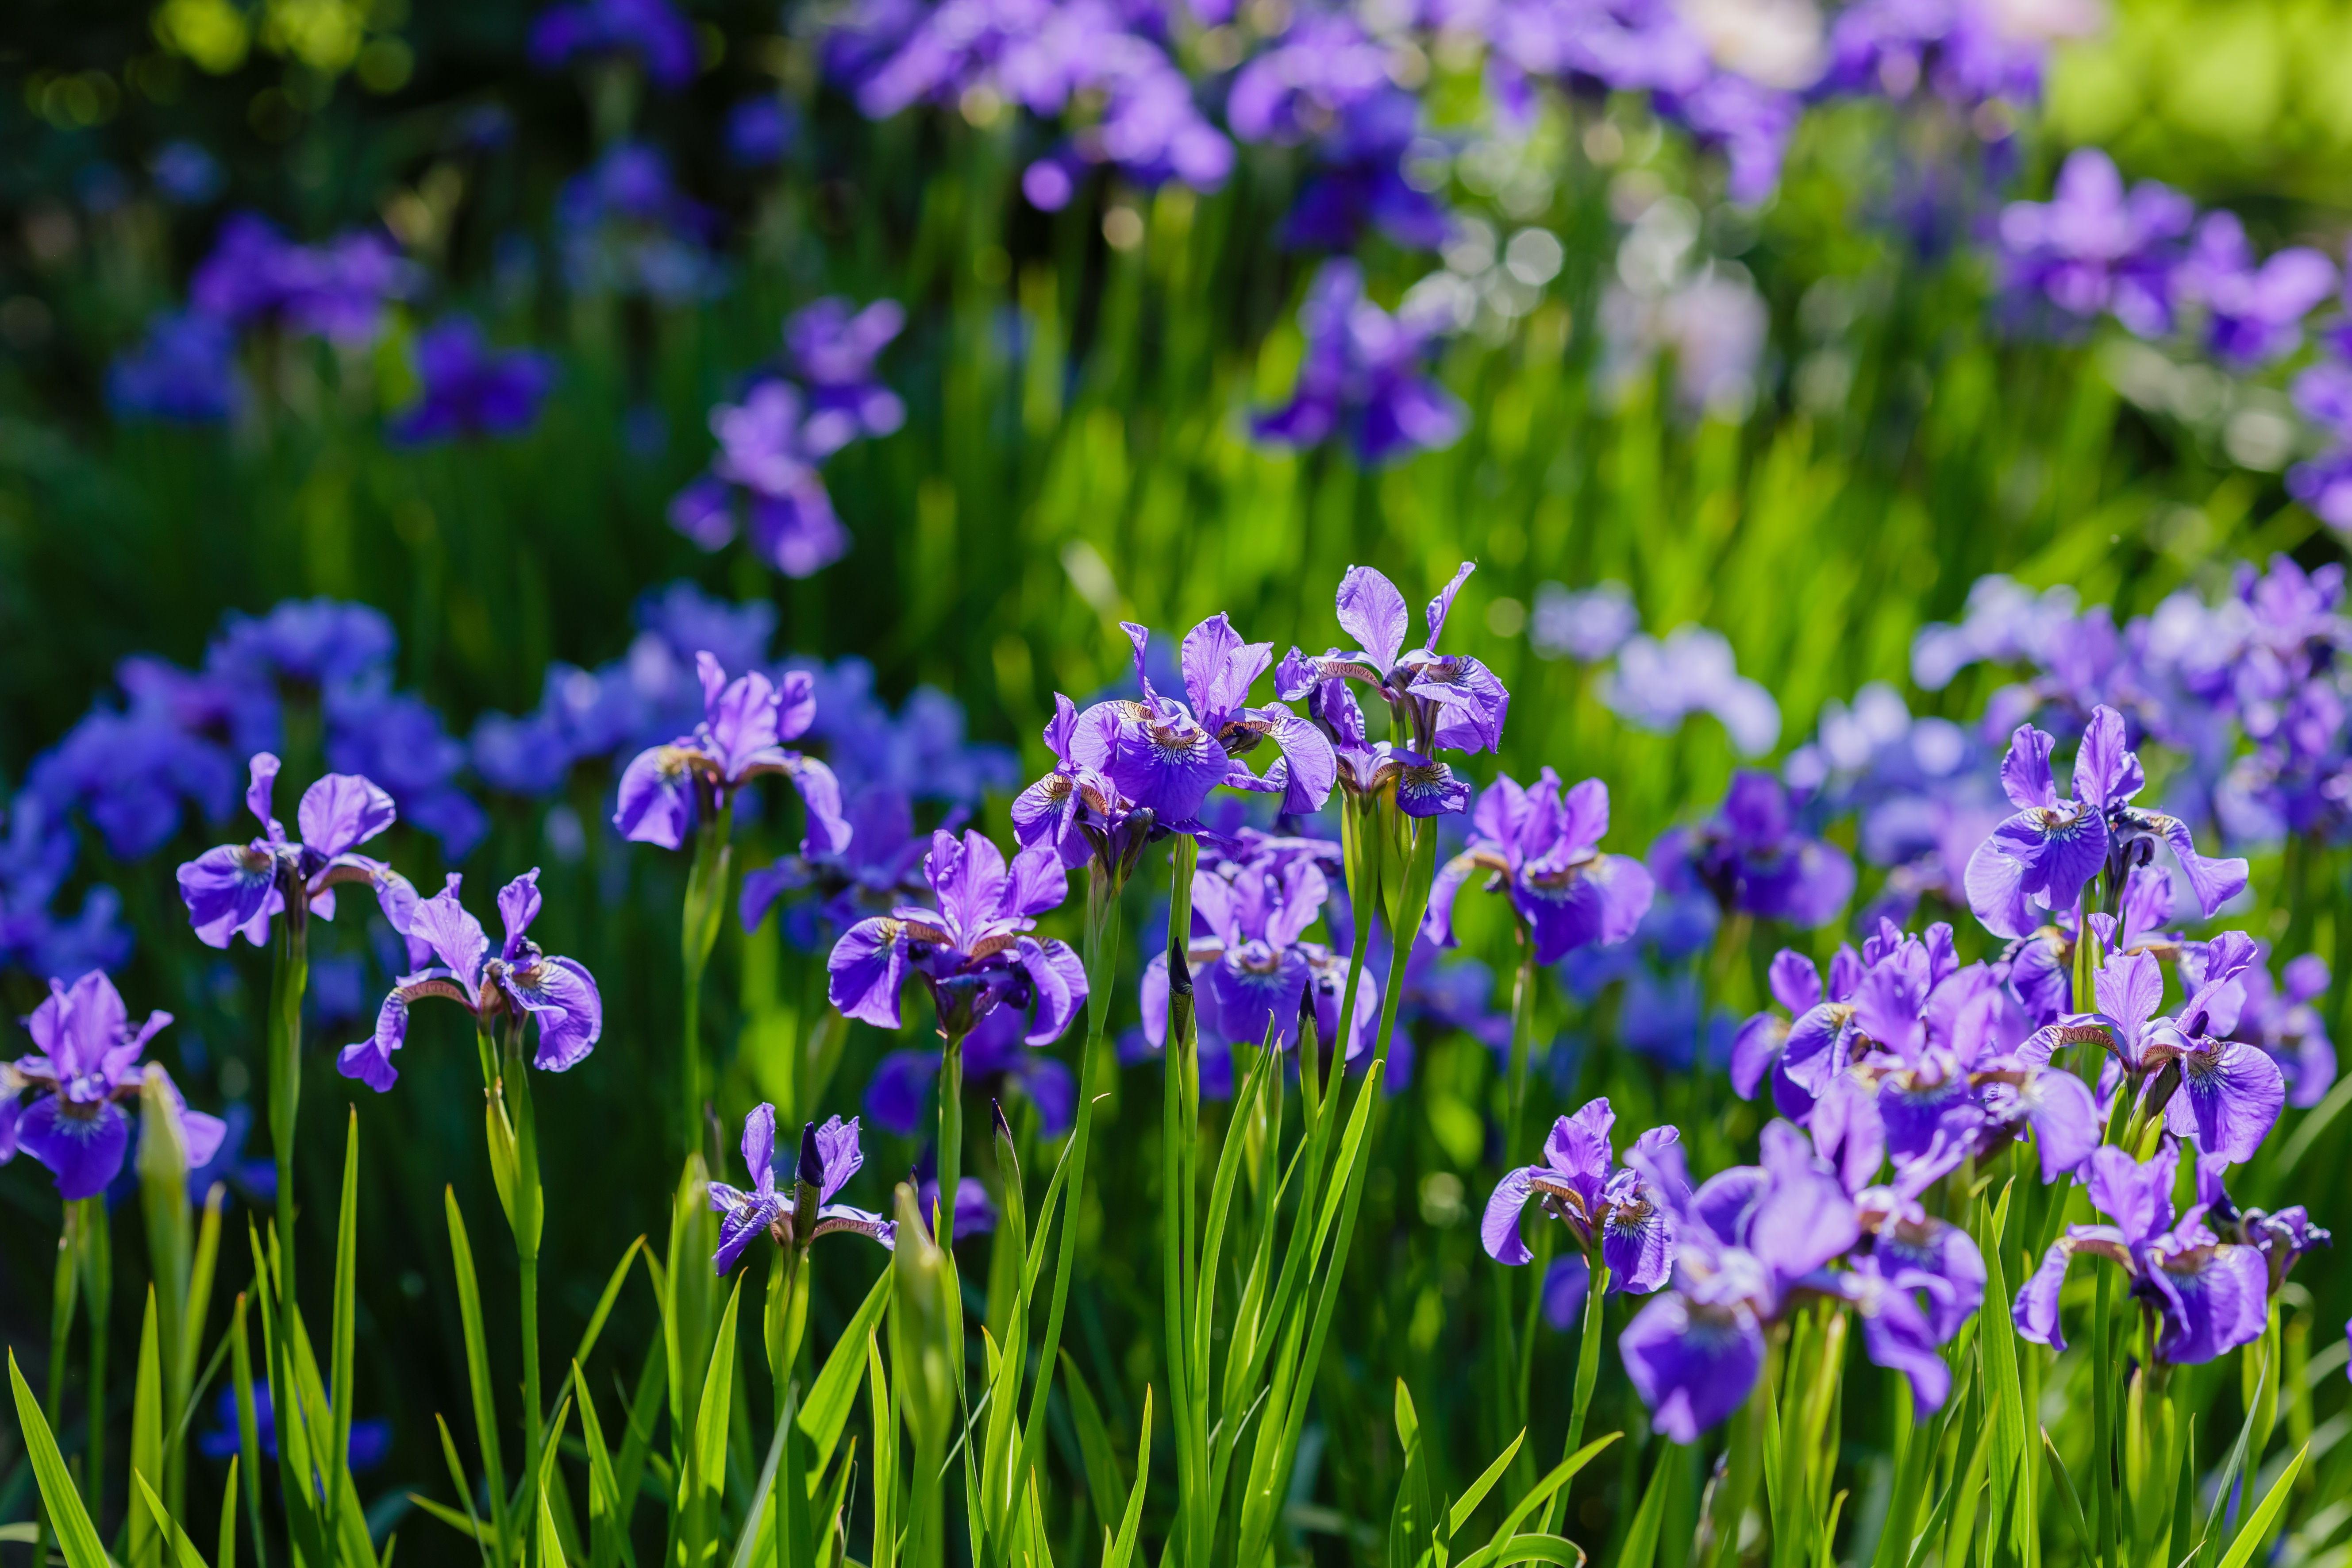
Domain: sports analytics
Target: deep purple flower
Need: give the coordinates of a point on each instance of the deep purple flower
(667, 791)
(1252, 971)
(371, 1434)
(833, 348)
(2092, 249)
(2208, 1295)
(626, 229)
(1752, 857)
(85, 1069)
(1442, 701)
(471, 390)
(1362, 374)
(1165, 757)
(1078, 811)
(1544, 850)
(829, 1156)
(759, 130)
(518, 980)
(183, 370)
(1580, 1184)
(769, 450)
(338, 290)
(972, 950)
(2047, 852)
(2254, 315)
(1744, 1239)
(1326, 82)
(236, 887)
(2228, 1093)
(647, 31)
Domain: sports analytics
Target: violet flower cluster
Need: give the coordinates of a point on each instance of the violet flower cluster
(1755, 857)
(138, 769)
(1363, 376)
(183, 369)
(2323, 393)
(764, 475)
(646, 33)
(625, 228)
(469, 389)
(2142, 256)
(1103, 69)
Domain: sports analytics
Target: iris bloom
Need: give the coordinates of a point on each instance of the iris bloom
(668, 790)
(2229, 1094)
(2209, 1295)
(235, 888)
(2285, 1022)
(518, 981)
(1581, 1185)
(1079, 811)
(973, 952)
(1165, 757)
(2048, 852)
(1544, 850)
(1753, 857)
(85, 1071)
(1756, 1239)
(829, 1157)
(1252, 971)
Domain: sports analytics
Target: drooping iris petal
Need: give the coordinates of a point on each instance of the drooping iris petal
(1498, 1230)
(2215, 1298)
(655, 803)
(1059, 976)
(370, 1060)
(2229, 1098)
(562, 996)
(83, 1146)
(1251, 994)
(1692, 1365)
(1637, 1243)
(866, 968)
(228, 889)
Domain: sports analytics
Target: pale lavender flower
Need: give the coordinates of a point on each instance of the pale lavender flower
(2095, 249)
(2253, 314)
(769, 450)
(1656, 685)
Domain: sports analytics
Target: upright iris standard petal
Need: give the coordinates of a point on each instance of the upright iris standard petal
(341, 812)
(1372, 612)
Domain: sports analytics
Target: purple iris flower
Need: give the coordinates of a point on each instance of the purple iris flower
(1440, 701)
(626, 229)
(2094, 249)
(339, 290)
(1544, 850)
(1744, 1241)
(1327, 82)
(1659, 682)
(833, 348)
(471, 390)
(2229, 1094)
(2049, 850)
(881, 865)
(647, 31)
(1913, 1280)
(829, 1156)
(236, 887)
(1165, 757)
(1753, 857)
(769, 450)
(2283, 1021)
(1964, 51)
(186, 174)
(1253, 973)
(1362, 374)
(518, 980)
(183, 370)
(975, 1214)
(2208, 1295)
(760, 131)
(2254, 315)
(1078, 811)
(2281, 1238)
(85, 1069)
(973, 952)
(667, 791)
(993, 1051)
(1581, 1185)
(2324, 393)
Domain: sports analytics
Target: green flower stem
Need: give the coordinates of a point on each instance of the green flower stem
(706, 907)
(1178, 1126)
(528, 1219)
(1588, 1373)
(288, 980)
(2106, 1522)
(94, 1242)
(64, 1296)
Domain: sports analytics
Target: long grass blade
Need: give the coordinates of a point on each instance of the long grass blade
(2257, 1528)
(477, 1369)
(1130, 1525)
(76, 1537)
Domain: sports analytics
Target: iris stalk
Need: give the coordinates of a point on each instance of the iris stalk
(290, 978)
